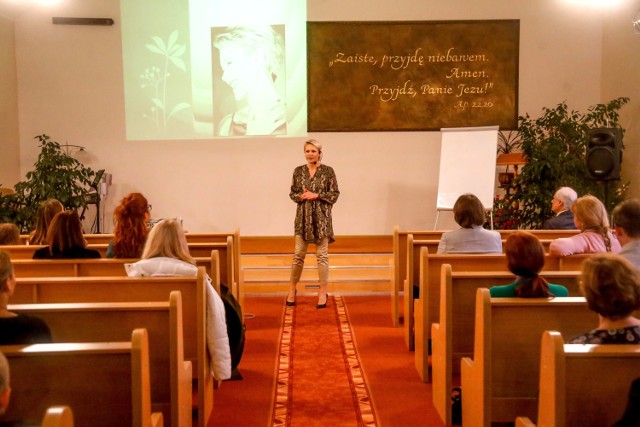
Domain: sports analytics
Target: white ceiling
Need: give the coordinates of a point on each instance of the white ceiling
(13, 9)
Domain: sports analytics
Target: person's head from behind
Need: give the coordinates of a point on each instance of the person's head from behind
(167, 239)
(563, 199)
(9, 234)
(611, 285)
(590, 214)
(250, 56)
(131, 217)
(7, 278)
(5, 384)
(46, 211)
(626, 220)
(525, 259)
(468, 211)
(65, 232)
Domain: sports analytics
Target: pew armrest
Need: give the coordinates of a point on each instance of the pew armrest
(524, 422)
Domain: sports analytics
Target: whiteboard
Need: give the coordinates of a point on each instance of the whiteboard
(467, 165)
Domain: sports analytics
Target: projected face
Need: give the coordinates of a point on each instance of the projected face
(252, 64)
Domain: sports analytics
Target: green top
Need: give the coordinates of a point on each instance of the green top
(509, 291)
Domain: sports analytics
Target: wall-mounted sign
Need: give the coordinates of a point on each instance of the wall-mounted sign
(410, 76)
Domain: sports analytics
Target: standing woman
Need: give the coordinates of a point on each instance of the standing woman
(130, 232)
(315, 189)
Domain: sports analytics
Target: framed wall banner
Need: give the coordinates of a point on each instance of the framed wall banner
(412, 76)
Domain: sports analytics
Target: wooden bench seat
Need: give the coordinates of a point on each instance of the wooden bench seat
(170, 374)
(452, 335)
(501, 381)
(400, 254)
(107, 384)
(583, 385)
(138, 289)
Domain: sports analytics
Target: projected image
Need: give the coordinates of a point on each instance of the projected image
(204, 69)
(249, 80)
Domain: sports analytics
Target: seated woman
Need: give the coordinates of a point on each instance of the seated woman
(525, 259)
(130, 217)
(9, 234)
(590, 217)
(471, 238)
(46, 211)
(65, 239)
(166, 253)
(17, 328)
(611, 286)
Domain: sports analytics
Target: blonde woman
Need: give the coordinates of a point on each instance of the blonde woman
(166, 253)
(590, 217)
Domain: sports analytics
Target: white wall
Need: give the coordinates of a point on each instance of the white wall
(70, 87)
(9, 154)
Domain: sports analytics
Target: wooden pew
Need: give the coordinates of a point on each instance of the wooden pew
(104, 322)
(107, 384)
(400, 254)
(38, 290)
(583, 385)
(58, 416)
(501, 381)
(452, 336)
(427, 307)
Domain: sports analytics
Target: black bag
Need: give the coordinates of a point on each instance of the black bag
(235, 327)
(456, 406)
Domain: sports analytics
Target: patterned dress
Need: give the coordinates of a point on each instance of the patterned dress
(628, 335)
(313, 217)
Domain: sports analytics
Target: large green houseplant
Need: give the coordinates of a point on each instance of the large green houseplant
(555, 147)
(56, 175)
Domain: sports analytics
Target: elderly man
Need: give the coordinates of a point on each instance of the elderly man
(626, 224)
(561, 207)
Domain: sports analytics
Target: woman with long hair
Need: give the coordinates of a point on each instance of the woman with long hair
(590, 217)
(166, 253)
(46, 211)
(130, 218)
(525, 259)
(65, 239)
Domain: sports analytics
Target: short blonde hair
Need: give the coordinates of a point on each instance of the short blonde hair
(611, 285)
(9, 234)
(167, 239)
(315, 144)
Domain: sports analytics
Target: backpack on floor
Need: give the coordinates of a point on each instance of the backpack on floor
(235, 325)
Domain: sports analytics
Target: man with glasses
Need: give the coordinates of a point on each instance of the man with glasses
(561, 207)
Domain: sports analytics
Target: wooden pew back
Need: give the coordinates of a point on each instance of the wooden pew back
(137, 289)
(106, 322)
(452, 335)
(107, 384)
(501, 382)
(568, 394)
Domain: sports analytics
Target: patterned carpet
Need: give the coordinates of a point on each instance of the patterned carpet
(314, 387)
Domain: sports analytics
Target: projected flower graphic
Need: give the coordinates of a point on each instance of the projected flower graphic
(156, 78)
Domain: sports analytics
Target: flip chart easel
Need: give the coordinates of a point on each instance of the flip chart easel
(467, 165)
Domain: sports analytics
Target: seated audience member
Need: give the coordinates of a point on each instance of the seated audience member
(46, 211)
(626, 225)
(5, 396)
(9, 234)
(130, 232)
(631, 415)
(471, 238)
(166, 253)
(590, 216)
(611, 286)
(17, 328)
(65, 239)
(525, 259)
(561, 206)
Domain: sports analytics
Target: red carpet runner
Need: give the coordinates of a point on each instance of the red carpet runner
(319, 377)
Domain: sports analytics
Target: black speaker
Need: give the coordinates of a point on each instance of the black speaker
(604, 153)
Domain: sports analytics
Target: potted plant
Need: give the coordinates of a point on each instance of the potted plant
(555, 146)
(56, 175)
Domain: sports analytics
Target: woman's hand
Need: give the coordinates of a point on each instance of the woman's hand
(308, 195)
